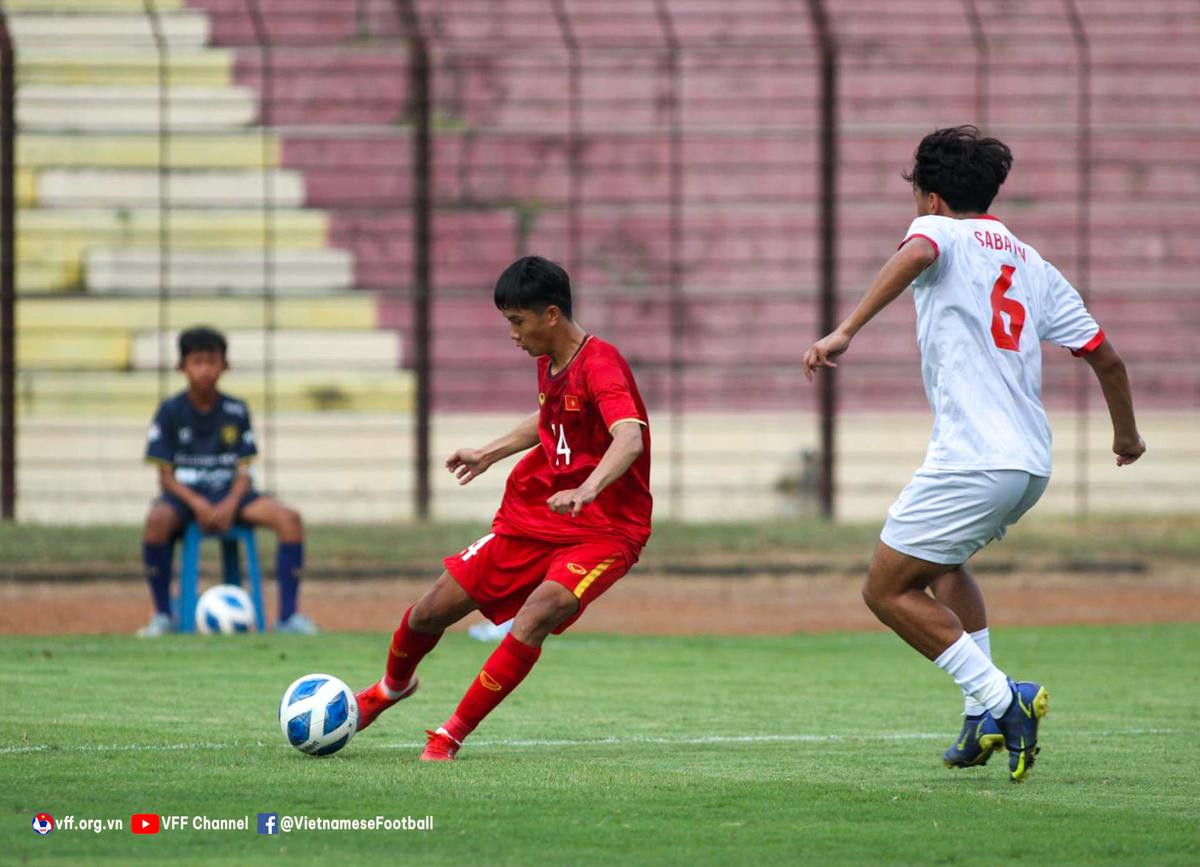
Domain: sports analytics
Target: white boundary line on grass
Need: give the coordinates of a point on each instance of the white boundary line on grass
(593, 742)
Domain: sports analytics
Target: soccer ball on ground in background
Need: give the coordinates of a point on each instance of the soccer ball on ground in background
(318, 714)
(224, 609)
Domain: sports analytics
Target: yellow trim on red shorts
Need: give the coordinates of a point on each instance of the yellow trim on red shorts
(583, 585)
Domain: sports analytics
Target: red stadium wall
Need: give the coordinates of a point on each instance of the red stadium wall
(747, 114)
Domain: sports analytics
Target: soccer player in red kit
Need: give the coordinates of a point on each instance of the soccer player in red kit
(574, 518)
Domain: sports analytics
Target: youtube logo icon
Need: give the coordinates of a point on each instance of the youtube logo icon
(144, 823)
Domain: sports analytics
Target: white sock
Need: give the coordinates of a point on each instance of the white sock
(970, 706)
(976, 675)
(387, 693)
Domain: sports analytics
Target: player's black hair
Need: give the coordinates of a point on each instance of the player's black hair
(961, 167)
(534, 283)
(201, 339)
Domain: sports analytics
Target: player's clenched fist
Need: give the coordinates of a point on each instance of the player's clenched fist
(467, 464)
(1128, 451)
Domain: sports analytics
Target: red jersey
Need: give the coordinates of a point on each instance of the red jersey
(579, 406)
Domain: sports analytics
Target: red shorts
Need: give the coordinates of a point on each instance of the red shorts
(499, 572)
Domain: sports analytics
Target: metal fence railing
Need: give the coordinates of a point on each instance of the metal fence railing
(336, 183)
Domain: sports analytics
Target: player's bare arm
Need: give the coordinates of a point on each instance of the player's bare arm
(893, 278)
(201, 508)
(625, 448)
(1109, 368)
(467, 464)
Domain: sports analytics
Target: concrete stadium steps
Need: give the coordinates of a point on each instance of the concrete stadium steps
(322, 85)
(718, 388)
(502, 20)
(617, 22)
(136, 394)
(122, 108)
(99, 67)
(741, 250)
(749, 213)
(467, 246)
(708, 21)
(371, 170)
(744, 250)
(65, 6)
(287, 22)
(1134, 95)
(622, 91)
(225, 150)
(52, 244)
(1037, 80)
(724, 367)
(615, 168)
(722, 168)
(25, 184)
(140, 188)
(50, 349)
(137, 270)
(68, 315)
(474, 336)
(1035, 83)
(732, 464)
(474, 330)
(127, 29)
(871, 382)
(290, 351)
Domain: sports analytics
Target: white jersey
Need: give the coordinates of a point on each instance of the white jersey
(983, 307)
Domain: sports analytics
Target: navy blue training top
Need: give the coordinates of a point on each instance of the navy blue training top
(205, 448)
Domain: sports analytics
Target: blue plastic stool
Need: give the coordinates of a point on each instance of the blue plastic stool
(189, 571)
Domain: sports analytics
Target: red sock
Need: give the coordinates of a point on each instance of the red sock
(503, 671)
(408, 648)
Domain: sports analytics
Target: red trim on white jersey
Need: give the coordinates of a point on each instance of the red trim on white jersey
(1090, 346)
(936, 250)
(986, 217)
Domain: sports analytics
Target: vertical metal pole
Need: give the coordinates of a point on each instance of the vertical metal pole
(262, 38)
(1083, 237)
(827, 217)
(678, 310)
(419, 74)
(981, 62)
(164, 196)
(574, 138)
(8, 281)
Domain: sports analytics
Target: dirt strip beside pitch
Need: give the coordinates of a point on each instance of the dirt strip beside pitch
(645, 603)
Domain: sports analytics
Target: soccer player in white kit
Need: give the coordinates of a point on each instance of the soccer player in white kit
(985, 300)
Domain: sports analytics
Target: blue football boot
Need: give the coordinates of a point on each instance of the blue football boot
(979, 738)
(1019, 726)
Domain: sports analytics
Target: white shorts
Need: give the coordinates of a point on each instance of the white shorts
(945, 517)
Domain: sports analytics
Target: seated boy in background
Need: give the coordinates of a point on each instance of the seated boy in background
(203, 444)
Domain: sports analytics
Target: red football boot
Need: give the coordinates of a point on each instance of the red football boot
(440, 747)
(372, 701)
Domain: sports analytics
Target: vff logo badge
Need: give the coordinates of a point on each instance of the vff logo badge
(268, 823)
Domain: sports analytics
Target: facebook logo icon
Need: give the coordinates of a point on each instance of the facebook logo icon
(268, 823)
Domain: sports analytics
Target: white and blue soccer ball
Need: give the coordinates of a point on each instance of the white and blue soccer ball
(318, 714)
(224, 609)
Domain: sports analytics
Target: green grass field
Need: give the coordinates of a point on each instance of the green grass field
(815, 749)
